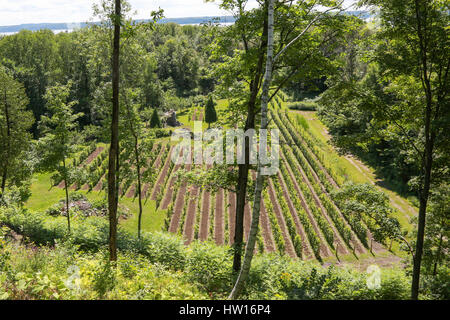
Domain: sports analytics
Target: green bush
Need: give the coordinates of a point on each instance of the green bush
(305, 105)
(210, 266)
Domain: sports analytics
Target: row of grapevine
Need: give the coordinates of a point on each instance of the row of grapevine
(311, 234)
(294, 141)
(290, 224)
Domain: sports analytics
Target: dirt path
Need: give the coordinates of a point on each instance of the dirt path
(99, 185)
(169, 191)
(266, 229)
(189, 225)
(307, 252)
(160, 182)
(204, 222)
(382, 262)
(179, 205)
(219, 218)
(281, 222)
(93, 155)
(156, 165)
(132, 191)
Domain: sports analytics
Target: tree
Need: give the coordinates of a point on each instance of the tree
(210, 112)
(61, 137)
(271, 60)
(413, 55)
(242, 50)
(250, 248)
(364, 202)
(15, 139)
(137, 146)
(154, 120)
(437, 231)
(113, 164)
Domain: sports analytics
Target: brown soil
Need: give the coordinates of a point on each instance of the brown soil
(94, 155)
(132, 191)
(204, 222)
(89, 159)
(169, 192)
(219, 220)
(266, 230)
(162, 176)
(189, 225)
(382, 262)
(156, 165)
(280, 218)
(179, 205)
(99, 185)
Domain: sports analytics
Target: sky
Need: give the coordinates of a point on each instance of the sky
(14, 12)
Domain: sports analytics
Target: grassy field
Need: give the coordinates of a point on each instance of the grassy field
(44, 196)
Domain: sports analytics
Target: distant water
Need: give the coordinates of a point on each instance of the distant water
(54, 31)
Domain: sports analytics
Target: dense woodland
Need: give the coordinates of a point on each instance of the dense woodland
(83, 118)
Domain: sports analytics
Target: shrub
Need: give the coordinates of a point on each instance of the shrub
(305, 105)
(211, 266)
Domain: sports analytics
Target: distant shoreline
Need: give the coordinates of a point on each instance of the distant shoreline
(63, 27)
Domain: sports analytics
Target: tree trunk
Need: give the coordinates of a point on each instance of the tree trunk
(430, 134)
(114, 150)
(66, 187)
(138, 171)
(260, 178)
(8, 146)
(245, 168)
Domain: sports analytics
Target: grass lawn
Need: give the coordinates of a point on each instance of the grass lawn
(43, 197)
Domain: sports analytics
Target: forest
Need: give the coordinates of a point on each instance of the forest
(355, 97)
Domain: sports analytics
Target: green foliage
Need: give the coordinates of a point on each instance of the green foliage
(210, 111)
(16, 159)
(154, 121)
(210, 266)
(305, 105)
(363, 202)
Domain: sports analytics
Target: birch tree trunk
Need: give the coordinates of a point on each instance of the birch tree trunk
(250, 248)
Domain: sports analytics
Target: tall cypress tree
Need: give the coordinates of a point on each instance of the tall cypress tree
(154, 120)
(210, 112)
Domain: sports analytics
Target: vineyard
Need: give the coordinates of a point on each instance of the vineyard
(299, 217)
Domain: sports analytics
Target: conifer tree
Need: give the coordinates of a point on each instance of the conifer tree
(210, 112)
